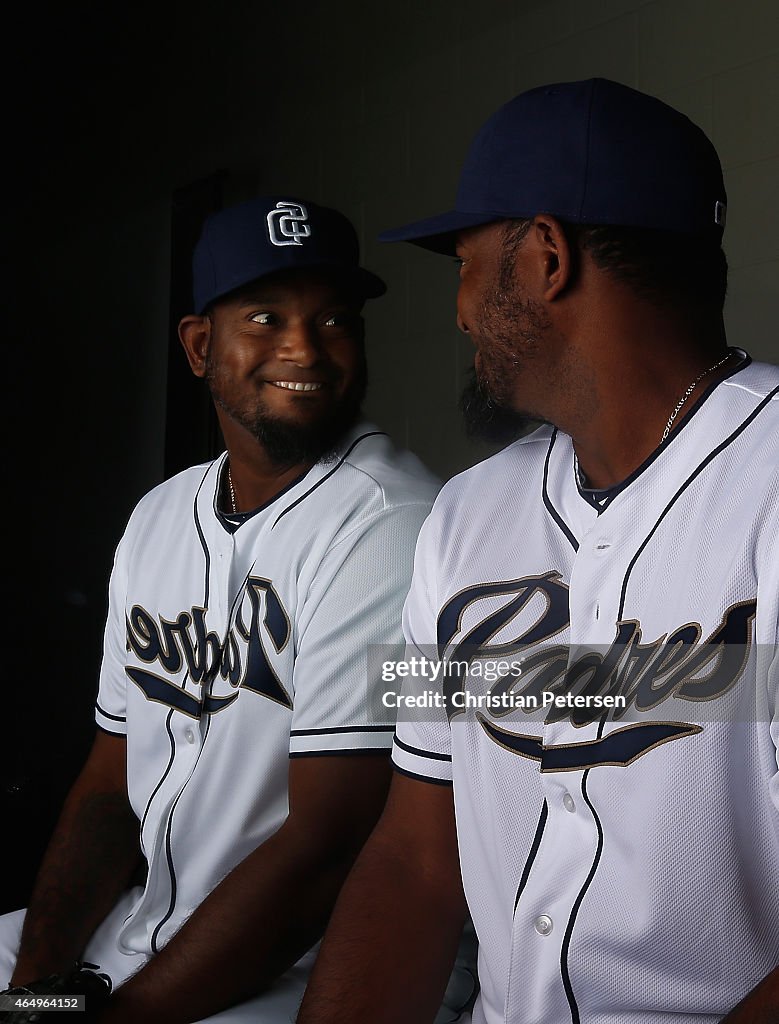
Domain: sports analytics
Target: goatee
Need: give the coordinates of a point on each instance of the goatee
(487, 419)
(290, 442)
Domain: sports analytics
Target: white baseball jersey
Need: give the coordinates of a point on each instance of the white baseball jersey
(621, 863)
(231, 648)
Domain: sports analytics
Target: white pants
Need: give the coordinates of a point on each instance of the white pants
(279, 1005)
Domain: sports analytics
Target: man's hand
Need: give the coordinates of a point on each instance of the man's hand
(39, 1000)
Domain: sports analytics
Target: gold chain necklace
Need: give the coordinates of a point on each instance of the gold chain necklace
(232, 490)
(689, 391)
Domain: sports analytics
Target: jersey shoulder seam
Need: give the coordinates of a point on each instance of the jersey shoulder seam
(389, 503)
(751, 390)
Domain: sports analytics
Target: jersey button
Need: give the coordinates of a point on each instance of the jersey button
(543, 924)
(189, 736)
(568, 803)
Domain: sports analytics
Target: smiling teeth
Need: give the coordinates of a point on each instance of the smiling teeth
(295, 386)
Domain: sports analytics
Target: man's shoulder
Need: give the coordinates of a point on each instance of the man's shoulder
(488, 479)
(181, 489)
(756, 380)
(381, 469)
(746, 406)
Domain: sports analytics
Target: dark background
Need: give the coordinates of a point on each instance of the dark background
(127, 123)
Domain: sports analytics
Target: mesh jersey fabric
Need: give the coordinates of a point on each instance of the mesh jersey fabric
(618, 870)
(229, 650)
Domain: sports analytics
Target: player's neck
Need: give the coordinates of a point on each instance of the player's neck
(647, 369)
(647, 407)
(249, 484)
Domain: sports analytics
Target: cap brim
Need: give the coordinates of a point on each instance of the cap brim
(372, 284)
(438, 234)
(368, 284)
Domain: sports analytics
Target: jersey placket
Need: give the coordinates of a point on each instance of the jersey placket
(187, 735)
(570, 844)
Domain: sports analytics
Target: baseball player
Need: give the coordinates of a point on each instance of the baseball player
(614, 781)
(234, 711)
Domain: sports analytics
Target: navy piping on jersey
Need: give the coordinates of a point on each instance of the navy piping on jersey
(598, 497)
(171, 874)
(168, 834)
(421, 778)
(709, 458)
(341, 728)
(168, 767)
(341, 752)
(421, 753)
(201, 535)
(609, 493)
(114, 718)
(548, 502)
(164, 774)
(337, 466)
(232, 520)
(575, 1018)
(231, 527)
(533, 851)
(169, 825)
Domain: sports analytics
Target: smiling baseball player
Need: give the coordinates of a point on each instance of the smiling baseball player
(617, 819)
(234, 706)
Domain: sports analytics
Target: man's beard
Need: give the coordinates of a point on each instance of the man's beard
(512, 328)
(487, 419)
(289, 442)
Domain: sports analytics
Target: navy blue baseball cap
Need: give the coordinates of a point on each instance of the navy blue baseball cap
(270, 233)
(588, 152)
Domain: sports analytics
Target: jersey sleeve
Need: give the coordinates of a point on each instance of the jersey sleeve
(351, 617)
(111, 705)
(422, 746)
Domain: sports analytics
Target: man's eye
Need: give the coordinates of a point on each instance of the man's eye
(263, 318)
(339, 320)
(459, 262)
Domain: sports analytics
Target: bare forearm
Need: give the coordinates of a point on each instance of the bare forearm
(267, 912)
(390, 946)
(259, 921)
(88, 862)
(761, 1006)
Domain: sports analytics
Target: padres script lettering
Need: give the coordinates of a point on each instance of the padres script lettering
(645, 674)
(240, 658)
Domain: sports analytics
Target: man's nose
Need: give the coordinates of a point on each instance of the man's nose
(461, 324)
(300, 344)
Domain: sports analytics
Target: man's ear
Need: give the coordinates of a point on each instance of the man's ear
(195, 336)
(556, 253)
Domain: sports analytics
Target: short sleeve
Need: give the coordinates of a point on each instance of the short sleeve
(111, 705)
(422, 746)
(353, 608)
